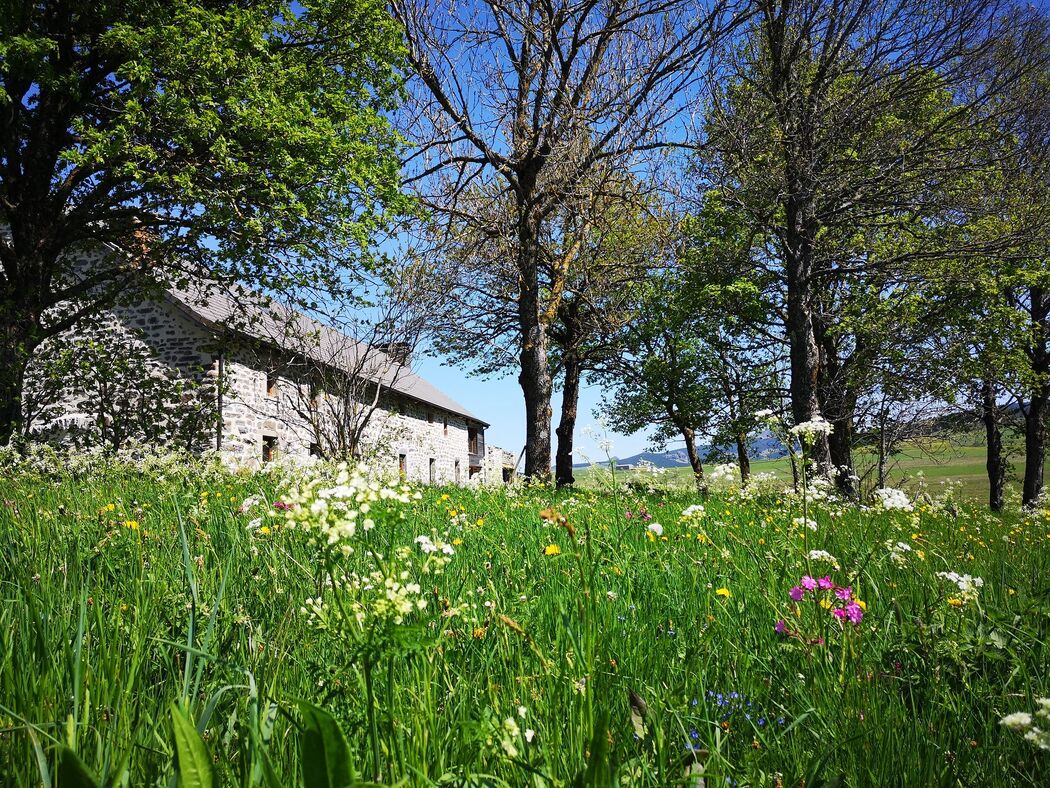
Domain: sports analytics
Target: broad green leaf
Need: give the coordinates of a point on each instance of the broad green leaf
(72, 773)
(194, 762)
(323, 750)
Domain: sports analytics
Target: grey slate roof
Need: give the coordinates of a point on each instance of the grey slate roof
(251, 314)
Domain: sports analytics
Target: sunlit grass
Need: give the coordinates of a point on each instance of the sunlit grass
(123, 592)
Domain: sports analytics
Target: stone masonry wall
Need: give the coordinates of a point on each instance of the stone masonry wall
(434, 442)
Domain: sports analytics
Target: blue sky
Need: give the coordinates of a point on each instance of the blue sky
(499, 402)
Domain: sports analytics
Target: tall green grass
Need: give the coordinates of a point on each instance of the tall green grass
(124, 594)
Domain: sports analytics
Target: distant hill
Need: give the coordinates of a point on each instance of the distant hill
(763, 447)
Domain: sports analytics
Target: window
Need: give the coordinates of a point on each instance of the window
(269, 448)
(458, 478)
(271, 383)
(472, 440)
(315, 450)
(444, 425)
(402, 465)
(433, 470)
(430, 417)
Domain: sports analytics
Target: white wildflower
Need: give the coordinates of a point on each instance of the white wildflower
(891, 498)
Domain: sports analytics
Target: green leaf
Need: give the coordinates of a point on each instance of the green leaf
(72, 773)
(323, 750)
(599, 771)
(194, 762)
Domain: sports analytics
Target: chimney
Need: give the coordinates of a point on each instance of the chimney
(399, 352)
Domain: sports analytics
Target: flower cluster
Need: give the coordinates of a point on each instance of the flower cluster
(837, 599)
(731, 706)
(808, 431)
(337, 513)
(508, 734)
(969, 587)
(804, 522)
(692, 514)
(898, 551)
(824, 555)
(1023, 722)
(724, 474)
(889, 498)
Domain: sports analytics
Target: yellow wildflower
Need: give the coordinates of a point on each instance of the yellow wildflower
(552, 549)
(481, 521)
(955, 602)
(723, 592)
(132, 524)
(265, 530)
(457, 541)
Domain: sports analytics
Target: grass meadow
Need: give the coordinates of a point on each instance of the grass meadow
(930, 463)
(168, 623)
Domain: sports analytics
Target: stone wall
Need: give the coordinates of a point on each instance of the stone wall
(432, 442)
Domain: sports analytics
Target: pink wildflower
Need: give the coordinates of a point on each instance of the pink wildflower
(839, 612)
(854, 613)
(808, 583)
(781, 627)
(796, 593)
(825, 582)
(845, 594)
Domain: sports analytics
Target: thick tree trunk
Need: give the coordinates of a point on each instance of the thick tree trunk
(994, 441)
(534, 376)
(18, 340)
(840, 444)
(570, 398)
(689, 435)
(742, 458)
(804, 352)
(1036, 415)
(1034, 447)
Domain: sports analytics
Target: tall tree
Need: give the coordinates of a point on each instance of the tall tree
(165, 141)
(839, 117)
(529, 100)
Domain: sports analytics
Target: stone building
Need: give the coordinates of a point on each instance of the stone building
(278, 384)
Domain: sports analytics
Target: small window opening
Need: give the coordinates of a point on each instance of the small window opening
(458, 477)
(444, 425)
(271, 383)
(269, 448)
(433, 470)
(402, 465)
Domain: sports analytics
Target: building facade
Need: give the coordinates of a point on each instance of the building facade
(263, 382)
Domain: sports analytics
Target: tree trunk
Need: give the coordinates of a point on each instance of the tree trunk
(742, 458)
(1036, 415)
(570, 399)
(882, 449)
(694, 458)
(534, 376)
(19, 334)
(994, 440)
(1034, 449)
(840, 443)
(804, 352)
